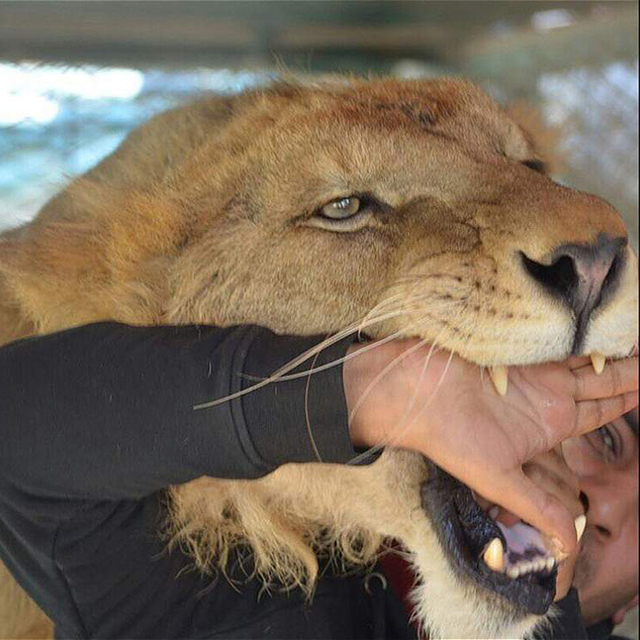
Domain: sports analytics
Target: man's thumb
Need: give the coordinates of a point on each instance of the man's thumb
(545, 512)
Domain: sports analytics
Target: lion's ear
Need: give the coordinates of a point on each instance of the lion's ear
(38, 276)
(14, 323)
(545, 138)
(94, 253)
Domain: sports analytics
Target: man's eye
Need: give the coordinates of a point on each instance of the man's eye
(604, 441)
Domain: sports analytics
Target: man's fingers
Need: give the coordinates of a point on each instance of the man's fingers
(592, 414)
(575, 362)
(540, 509)
(550, 471)
(618, 377)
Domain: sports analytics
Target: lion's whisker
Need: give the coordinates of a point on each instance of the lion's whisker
(431, 397)
(279, 375)
(359, 352)
(292, 364)
(386, 440)
(306, 412)
(377, 343)
(387, 368)
(394, 433)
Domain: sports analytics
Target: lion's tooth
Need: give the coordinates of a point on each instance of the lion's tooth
(555, 547)
(550, 563)
(494, 512)
(500, 379)
(494, 555)
(513, 572)
(581, 523)
(597, 360)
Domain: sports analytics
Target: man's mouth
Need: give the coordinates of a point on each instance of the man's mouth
(510, 561)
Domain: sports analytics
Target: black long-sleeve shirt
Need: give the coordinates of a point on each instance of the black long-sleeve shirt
(96, 422)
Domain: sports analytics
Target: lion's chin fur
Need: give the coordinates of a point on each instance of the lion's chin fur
(301, 512)
(444, 608)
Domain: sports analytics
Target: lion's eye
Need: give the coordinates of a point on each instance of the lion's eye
(348, 214)
(341, 208)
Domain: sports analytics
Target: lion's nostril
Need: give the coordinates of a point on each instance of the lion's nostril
(580, 275)
(560, 277)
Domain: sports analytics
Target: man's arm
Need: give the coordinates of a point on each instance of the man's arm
(106, 411)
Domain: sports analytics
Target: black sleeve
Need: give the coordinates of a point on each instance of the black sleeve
(96, 421)
(106, 411)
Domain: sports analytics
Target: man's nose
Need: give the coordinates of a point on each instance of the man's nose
(605, 507)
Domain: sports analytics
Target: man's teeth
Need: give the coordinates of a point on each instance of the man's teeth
(500, 379)
(494, 555)
(597, 360)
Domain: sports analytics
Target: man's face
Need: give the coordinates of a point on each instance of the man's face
(606, 462)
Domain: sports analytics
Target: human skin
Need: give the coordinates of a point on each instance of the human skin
(455, 418)
(550, 472)
(606, 463)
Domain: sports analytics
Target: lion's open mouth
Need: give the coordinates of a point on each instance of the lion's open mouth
(465, 531)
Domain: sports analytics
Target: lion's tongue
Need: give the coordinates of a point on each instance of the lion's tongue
(523, 542)
(526, 550)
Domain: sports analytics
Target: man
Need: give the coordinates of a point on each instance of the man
(606, 462)
(606, 574)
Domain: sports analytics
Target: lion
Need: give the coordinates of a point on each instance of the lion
(413, 209)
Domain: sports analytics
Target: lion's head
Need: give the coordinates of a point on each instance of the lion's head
(414, 209)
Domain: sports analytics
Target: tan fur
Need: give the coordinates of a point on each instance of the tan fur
(204, 215)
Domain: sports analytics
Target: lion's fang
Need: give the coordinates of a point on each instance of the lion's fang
(500, 379)
(580, 523)
(494, 555)
(597, 360)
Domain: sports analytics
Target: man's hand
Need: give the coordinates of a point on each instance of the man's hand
(550, 473)
(446, 410)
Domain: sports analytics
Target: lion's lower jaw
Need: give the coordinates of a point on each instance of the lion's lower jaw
(445, 607)
(289, 515)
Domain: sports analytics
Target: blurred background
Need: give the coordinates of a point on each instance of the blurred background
(75, 77)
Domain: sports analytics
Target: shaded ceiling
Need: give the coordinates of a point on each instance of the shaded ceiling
(315, 36)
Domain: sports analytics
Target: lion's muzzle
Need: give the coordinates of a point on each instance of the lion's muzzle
(582, 276)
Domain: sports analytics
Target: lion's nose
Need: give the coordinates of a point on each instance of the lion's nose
(581, 275)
